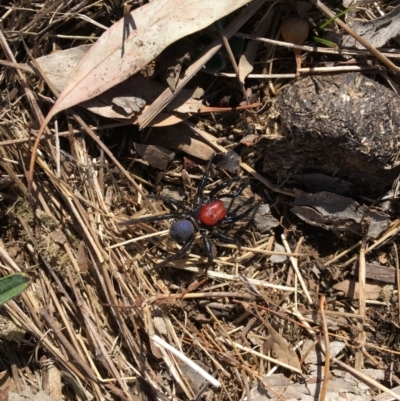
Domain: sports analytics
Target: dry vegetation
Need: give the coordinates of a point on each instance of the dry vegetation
(86, 327)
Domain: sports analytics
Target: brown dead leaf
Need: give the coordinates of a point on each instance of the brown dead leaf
(246, 61)
(281, 350)
(180, 138)
(338, 213)
(134, 41)
(156, 156)
(138, 91)
(7, 385)
(377, 32)
(129, 45)
(249, 140)
(58, 236)
(129, 105)
(82, 258)
(126, 100)
(351, 289)
(194, 379)
(264, 220)
(229, 161)
(277, 388)
(28, 395)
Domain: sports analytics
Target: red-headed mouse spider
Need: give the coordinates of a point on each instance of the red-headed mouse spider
(206, 215)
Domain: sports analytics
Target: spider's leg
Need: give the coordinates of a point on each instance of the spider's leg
(155, 218)
(219, 234)
(171, 201)
(180, 253)
(233, 196)
(202, 184)
(223, 185)
(240, 205)
(232, 201)
(207, 247)
(238, 217)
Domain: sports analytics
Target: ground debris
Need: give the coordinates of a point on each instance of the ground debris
(338, 213)
(279, 384)
(344, 125)
(378, 31)
(156, 156)
(100, 295)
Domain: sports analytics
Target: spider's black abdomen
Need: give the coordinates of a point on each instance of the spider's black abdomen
(181, 230)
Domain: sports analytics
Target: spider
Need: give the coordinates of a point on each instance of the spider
(205, 215)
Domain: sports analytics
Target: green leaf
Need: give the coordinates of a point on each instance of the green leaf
(13, 285)
(325, 24)
(325, 42)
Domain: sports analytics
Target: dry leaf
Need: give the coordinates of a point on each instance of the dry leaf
(129, 105)
(129, 45)
(278, 258)
(195, 380)
(246, 61)
(281, 350)
(277, 388)
(263, 219)
(156, 156)
(249, 140)
(317, 182)
(7, 385)
(125, 99)
(136, 40)
(338, 213)
(58, 236)
(377, 32)
(180, 138)
(351, 289)
(81, 258)
(28, 395)
(316, 356)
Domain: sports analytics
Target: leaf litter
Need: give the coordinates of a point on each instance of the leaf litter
(131, 44)
(97, 308)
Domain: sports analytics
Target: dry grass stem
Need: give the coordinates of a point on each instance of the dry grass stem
(100, 320)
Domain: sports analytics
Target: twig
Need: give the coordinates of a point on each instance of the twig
(296, 269)
(327, 374)
(185, 359)
(365, 378)
(384, 60)
(231, 277)
(359, 359)
(343, 253)
(67, 345)
(136, 239)
(396, 260)
(262, 356)
(323, 50)
(235, 67)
